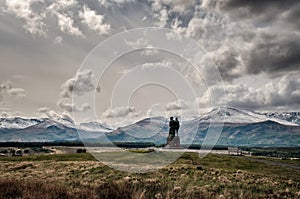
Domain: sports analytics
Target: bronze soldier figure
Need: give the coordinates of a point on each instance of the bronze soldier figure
(176, 125)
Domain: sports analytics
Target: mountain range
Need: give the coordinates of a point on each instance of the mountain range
(237, 127)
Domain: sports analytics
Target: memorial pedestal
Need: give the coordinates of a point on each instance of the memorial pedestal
(173, 141)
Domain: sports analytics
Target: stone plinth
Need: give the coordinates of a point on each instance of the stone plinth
(173, 141)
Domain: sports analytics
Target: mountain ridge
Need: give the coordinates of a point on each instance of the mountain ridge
(238, 127)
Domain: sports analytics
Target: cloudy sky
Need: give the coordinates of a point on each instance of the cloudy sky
(43, 44)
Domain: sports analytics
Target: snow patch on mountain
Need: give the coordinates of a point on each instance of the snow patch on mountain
(17, 123)
(94, 127)
(234, 115)
(293, 117)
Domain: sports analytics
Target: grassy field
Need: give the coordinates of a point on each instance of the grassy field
(81, 176)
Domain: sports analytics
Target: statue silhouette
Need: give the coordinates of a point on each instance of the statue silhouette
(173, 139)
(176, 126)
(172, 127)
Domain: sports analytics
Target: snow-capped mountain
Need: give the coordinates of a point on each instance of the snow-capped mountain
(234, 115)
(45, 129)
(293, 117)
(22, 123)
(153, 129)
(17, 123)
(238, 127)
(94, 127)
(262, 133)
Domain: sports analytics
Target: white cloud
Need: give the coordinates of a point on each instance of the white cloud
(119, 3)
(22, 9)
(241, 43)
(163, 63)
(58, 40)
(81, 83)
(177, 105)
(237, 95)
(162, 17)
(4, 114)
(118, 112)
(142, 43)
(66, 25)
(6, 89)
(67, 105)
(52, 114)
(281, 92)
(138, 43)
(94, 21)
(61, 5)
(16, 92)
(120, 116)
(47, 112)
(5, 85)
(64, 10)
(156, 110)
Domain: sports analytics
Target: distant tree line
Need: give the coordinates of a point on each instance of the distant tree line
(78, 143)
(284, 152)
(39, 144)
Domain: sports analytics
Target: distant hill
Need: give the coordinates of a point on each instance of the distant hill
(239, 127)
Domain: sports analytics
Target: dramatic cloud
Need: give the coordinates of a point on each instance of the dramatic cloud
(37, 14)
(228, 61)
(263, 11)
(255, 45)
(274, 53)
(94, 21)
(80, 84)
(66, 25)
(282, 92)
(33, 22)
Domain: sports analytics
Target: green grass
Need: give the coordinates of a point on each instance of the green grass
(141, 150)
(51, 157)
(82, 176)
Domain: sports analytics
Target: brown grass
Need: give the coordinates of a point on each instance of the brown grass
(188, 177)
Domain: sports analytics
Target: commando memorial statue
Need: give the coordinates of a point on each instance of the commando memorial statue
(173, 138)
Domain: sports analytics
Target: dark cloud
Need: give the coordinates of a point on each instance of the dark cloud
(271, 45)
(259, 6)
(227, 62)
(267, 10)
(273, 54)
(241, 36)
